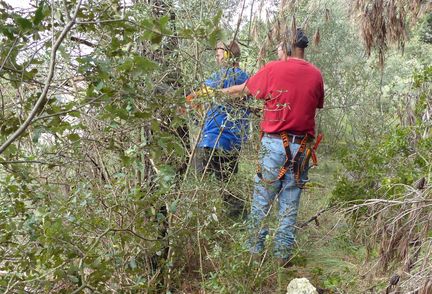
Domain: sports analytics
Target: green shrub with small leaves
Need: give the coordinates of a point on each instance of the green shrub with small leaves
(380, 166)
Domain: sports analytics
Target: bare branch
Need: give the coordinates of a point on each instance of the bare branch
(42, 98)
(84, 42)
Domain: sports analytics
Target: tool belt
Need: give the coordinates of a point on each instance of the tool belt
(298, 163)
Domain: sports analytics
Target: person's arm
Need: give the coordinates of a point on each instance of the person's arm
(256, 85)
(237, 90)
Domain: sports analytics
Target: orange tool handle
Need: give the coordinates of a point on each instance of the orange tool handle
(317, 142)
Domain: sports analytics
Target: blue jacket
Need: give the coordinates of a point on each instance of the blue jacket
(231, 121)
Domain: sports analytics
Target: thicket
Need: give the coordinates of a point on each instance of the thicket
(96, 188)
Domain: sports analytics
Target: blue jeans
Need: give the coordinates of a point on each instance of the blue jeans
(285, 191)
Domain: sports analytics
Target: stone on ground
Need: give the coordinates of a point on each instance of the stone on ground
(301, 286)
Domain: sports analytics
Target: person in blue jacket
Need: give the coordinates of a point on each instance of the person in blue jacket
(225, 126)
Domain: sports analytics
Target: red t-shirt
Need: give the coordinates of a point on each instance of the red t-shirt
(292, 89)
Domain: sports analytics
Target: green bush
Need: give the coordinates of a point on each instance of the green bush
(378, 167)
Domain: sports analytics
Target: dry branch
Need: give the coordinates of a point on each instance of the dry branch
(315, 217)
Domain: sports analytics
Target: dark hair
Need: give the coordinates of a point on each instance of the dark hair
(301, 41)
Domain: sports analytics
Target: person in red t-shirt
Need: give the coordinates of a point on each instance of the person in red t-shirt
(292, 90)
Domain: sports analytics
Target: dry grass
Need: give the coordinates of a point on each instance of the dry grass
(401, 231)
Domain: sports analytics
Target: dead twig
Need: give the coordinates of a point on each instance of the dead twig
(315, 217)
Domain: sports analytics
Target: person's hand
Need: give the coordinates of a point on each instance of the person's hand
(193, 104)
(205, 91)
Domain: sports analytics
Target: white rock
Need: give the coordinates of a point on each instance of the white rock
(301, 286)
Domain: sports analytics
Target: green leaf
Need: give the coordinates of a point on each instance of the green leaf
(160, 217)
(13, 188)
(23, 23)
(74, 279)
(216, 19)
(36, 61)
(39, 14)
(186, 33)
(90, 90)
(20, 207)
(73, 137)
(156, 38)
(214, 36)
(100, 85)
(145, 115)
(75, 113)
(30, 74)
(144, 65)
(126, 65)
(163, 22)
(147, 35)
(126, 160)
(12, 150)
(166, 175)
(173, 206)
(118, 112)
(8, 31)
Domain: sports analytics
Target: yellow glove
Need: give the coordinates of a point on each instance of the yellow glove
(204, 91)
